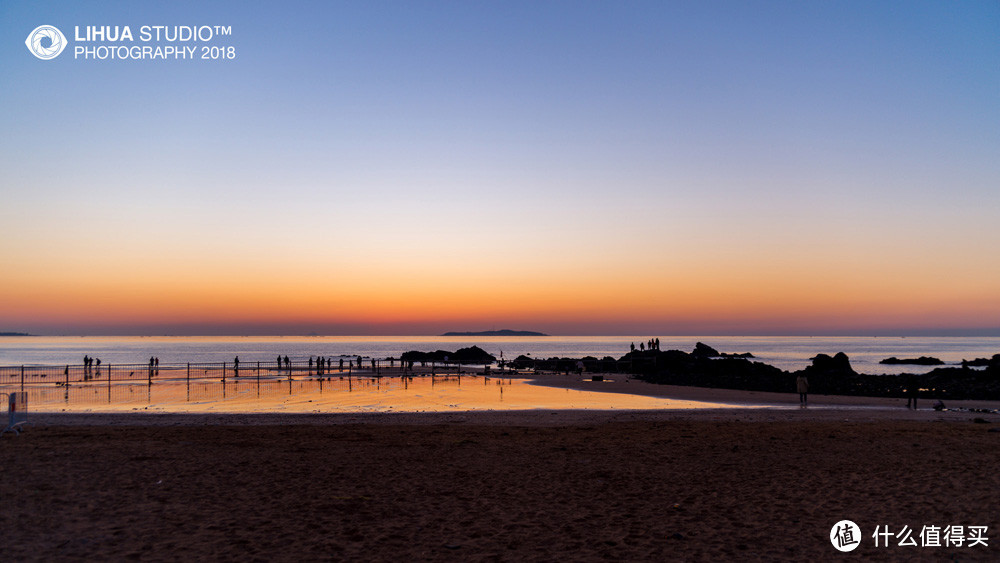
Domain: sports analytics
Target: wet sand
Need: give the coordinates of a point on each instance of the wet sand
(500, 485)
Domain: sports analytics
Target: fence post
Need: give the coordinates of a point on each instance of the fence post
(22, 379)
(223, 372)
(66, 383)
(189, 374)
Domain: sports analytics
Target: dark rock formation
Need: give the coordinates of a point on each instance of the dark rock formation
(824, 365)
(982, 362)
(472, 355)
(828, 375)
(743, 355)
(921, 361)
(705, 351)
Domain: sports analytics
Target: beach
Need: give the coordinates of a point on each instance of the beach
(498, 485)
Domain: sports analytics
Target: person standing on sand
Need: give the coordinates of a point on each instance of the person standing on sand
(912, 391)
(802, 386)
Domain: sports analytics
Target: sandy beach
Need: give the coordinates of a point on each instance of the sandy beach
(501, 485)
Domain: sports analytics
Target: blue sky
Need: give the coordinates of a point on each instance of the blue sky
(849, 140)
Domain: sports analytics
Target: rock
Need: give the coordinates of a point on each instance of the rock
(838, 365)
(704, 351)
(921, 361)
(472, 355)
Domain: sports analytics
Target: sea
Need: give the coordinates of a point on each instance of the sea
(785, 352)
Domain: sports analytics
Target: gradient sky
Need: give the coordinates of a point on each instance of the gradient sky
(573, 167)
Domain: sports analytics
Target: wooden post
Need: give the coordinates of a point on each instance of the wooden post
(223, 372)
(189, 374)
(22, 379)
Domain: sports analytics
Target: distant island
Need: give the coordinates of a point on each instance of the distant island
(504, 332)
(15, 334)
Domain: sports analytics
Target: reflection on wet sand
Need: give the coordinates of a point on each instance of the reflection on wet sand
(336, 394)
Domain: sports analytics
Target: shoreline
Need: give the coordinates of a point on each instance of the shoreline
(733, 405)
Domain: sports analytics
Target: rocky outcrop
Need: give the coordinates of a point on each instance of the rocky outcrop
(921, 361)
(471, 355)
(704, 351)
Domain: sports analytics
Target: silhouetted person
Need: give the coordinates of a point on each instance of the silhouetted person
(912, 391)
(236, 366)
(642, 347)
(288, 364)
(632, 347)
(341, 364)
(657, 343)
(802, 386)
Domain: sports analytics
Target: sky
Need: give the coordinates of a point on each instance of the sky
(734, 167)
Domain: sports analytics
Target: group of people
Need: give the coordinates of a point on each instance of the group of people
(651, 344)
(154, 366)
(325, 364)
(89, 367)
(911, 390)
(321, 365)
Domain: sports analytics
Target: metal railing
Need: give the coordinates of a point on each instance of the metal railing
(53, 375)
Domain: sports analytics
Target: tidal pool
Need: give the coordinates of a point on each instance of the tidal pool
(335, 395)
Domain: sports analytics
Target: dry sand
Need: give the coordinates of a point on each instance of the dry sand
(533, 485)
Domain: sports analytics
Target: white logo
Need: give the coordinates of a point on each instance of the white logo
(845, 535)
(46, 42)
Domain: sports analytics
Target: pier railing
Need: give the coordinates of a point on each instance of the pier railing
(110, 373)
(27, 375)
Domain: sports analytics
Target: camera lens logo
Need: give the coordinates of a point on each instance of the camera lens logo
(46, 42)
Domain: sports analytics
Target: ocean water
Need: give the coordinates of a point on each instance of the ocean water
(788, 353)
